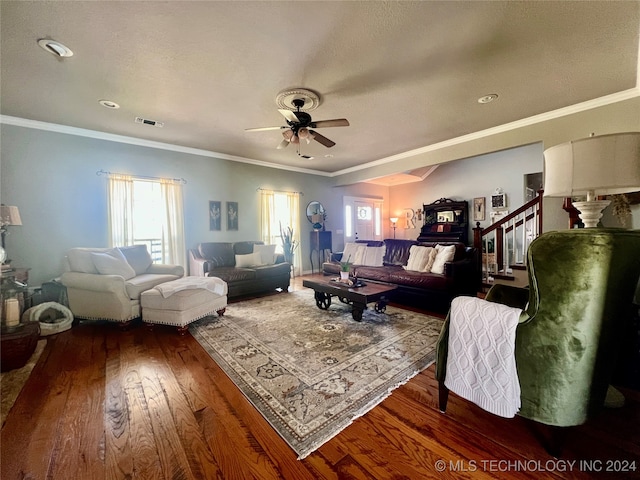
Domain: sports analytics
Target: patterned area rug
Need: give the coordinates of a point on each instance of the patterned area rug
(311, 372)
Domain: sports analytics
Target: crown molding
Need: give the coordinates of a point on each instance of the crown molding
(543, 117)
(525, 122)
(110, 137)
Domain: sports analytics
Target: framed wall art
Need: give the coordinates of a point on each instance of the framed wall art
(478, 209)
(215, 215)
(499, 199)
(232, 215)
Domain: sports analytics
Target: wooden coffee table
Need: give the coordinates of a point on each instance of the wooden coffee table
(357, 297)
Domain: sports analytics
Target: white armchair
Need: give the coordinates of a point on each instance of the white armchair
(106, 283)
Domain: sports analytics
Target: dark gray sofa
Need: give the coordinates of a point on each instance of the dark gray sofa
(217, 259)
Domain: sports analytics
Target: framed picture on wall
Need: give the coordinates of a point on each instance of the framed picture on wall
(215, 215)
(499, 200)
(232, 215)
(478, 209)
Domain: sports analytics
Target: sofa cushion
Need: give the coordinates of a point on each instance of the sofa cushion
(138, 257)
(267, 253)
(243, 248)
(354, 253)
(461, 248)
(380, 274)
(112, 262)
(140, 283)
(233, 274)
(279, 269)
(397, 252)
(219, 254)
(445, 254)
(248, 260)
(427, 281)
(80, 259)
(420, 258)
(374, 256)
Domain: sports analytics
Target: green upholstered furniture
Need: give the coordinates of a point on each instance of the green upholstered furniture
(581, 286)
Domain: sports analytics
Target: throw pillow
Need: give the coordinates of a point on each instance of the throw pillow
(249, 260)
(354, 253)
(112, 262)
(420, 259)
(267, 254)
(138, 257)
(373, 256)
(445, 254)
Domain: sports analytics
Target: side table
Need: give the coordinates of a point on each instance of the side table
(319, 241)
(17, 344)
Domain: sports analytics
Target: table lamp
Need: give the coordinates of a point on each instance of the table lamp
(9, 215)
(593, 166)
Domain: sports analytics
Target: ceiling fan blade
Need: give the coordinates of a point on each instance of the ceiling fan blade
(322, 139)
(263, 129)
(283, 144)
(336, 122)
(289, 115)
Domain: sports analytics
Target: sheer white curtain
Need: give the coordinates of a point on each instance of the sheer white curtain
(120, 209)
(173, 246)
(121, 213)
(293, 203)
(280, 208)
(267, 209)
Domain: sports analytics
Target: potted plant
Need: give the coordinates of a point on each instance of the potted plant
(345, 267)
(289, 244)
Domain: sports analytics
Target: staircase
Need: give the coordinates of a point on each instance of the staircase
(504, 244)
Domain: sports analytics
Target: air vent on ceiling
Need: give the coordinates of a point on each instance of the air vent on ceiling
(146, 121)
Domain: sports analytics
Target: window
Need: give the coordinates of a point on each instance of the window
(280, 210)
(147, 218)
(147, 212)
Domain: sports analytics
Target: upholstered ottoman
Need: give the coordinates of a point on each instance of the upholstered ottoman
(183, 301)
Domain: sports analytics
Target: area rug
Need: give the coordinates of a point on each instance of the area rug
(311, 372)
(11, 382)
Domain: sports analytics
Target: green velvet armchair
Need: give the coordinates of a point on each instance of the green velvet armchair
(581, 287)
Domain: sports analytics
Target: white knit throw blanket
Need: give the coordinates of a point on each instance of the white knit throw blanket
(213, 284)
(481, 363)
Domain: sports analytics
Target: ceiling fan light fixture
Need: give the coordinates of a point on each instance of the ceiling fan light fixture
(288, 135)
(305, 134)
(55, 48)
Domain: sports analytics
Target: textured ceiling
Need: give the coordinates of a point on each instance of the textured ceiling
(405, 74)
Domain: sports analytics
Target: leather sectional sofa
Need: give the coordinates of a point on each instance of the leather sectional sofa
(426, 290)
(219, 259)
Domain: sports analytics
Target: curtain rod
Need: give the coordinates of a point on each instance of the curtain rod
(180, 180)
(260, 189)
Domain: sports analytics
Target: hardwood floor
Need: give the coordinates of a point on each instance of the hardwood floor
(106, 404)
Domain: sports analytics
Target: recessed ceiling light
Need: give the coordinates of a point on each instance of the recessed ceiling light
(108, 104)
(488, 98)
(55, 48)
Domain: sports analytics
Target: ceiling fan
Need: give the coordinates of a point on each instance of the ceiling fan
(299, 127)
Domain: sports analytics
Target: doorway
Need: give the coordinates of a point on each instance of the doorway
(362, 218)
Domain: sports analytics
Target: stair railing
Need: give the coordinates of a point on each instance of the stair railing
(510, 237)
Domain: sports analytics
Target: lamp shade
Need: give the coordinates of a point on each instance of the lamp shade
(393, 219)
(9, 215)
(602, 165)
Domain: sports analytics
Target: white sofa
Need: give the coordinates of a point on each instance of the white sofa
(106, 283)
